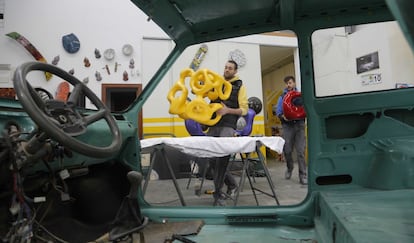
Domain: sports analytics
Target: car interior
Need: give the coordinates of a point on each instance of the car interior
(75, 174)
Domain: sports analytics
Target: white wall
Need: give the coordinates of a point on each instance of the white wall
(100, 24)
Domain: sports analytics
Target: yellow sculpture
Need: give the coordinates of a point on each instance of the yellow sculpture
(203, 83)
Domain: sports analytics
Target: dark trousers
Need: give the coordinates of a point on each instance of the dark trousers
(221, 175)
(294, 135)
(220, 164)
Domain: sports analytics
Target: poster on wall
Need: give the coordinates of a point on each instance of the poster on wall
(2, 15)
(367, 62)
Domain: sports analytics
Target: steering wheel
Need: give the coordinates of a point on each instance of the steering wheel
(59, 119)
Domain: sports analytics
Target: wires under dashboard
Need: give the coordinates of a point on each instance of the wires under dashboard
(22, 224)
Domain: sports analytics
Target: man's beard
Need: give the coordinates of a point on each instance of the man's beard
(228, 77)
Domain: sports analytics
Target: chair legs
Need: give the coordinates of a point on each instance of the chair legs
(193, 174)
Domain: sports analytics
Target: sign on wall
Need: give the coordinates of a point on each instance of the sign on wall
(369, 79)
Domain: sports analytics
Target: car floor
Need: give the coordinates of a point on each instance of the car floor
(288, 192)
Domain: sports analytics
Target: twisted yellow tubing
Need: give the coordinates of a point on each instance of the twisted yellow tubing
(201, 112)
(177, 105)
(203, 83)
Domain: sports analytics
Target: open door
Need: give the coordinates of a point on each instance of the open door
(118, 97)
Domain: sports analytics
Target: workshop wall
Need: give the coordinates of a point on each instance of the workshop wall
(108, 24)
(111, 24)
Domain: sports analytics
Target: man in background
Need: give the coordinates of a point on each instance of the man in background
(294, 135)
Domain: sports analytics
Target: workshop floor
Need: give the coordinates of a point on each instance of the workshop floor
(288, 192)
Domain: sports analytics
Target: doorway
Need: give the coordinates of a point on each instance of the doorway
(118, 97)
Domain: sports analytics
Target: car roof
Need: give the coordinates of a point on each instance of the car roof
(189, 22)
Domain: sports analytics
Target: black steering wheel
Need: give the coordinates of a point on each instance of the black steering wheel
(60, 119)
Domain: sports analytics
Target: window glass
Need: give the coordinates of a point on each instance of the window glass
(361, 58)
(263, 62)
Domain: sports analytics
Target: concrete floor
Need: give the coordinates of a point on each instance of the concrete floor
(288, 192)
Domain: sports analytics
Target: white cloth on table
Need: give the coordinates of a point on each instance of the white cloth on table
(205, 146)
